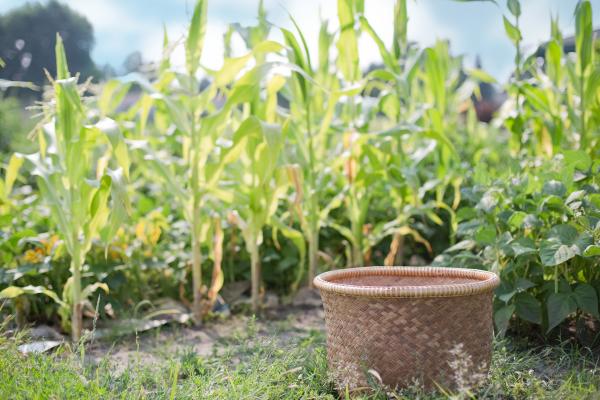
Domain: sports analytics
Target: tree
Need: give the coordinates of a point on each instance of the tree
(27, 41)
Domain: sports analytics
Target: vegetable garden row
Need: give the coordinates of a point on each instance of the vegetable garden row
(288, 161)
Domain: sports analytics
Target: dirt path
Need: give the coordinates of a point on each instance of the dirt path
(154, 346)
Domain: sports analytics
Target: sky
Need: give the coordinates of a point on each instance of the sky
(473, 28)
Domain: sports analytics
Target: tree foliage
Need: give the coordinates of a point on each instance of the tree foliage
(27, 41)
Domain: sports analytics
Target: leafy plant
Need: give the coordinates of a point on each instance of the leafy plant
(541, 235)
(562, 86)
(86, 198)
(261, 182)
(313, 93)
(199, 127)
(387, 165)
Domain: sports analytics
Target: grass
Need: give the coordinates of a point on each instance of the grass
(254, 366)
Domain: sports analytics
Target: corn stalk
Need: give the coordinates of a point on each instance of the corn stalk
(75, 182)
(260, 183)
(203, 127)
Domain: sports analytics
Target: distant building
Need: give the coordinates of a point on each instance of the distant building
(568, 45)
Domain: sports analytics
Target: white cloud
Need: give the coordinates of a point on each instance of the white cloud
(104, 15)
(122, 27)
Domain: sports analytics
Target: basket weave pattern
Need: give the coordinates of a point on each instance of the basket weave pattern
(405, 322)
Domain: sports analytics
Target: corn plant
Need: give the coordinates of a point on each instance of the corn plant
(200, 127)
(421, 94)
(77, 185)
(535, 115)
(357, 194)
(374, 159)
(260, 182)
(313, 93)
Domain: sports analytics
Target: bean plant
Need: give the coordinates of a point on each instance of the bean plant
(536, 224)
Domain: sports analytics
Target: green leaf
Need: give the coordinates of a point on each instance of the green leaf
(537, 98)
(592, 85)
(508, 292)
(481, 75)
(304, 44)
(387, 58)
(552, 202)
(466, 213)
(442, 138)
(325, 40)
(400, 27)
(576, 196)
(577, 159)
(586, 298)
(554, 55)
(592, 251)
(195, 38)
(101, 196)
(516, 219)
(98, 212)
(460, 246)
(230, 69)
(555, 188)
(560, 306)
(228, 156)
(486, 235)
(583, 34)
(514, 7)
(513, 33)
(502, 317)
(344, 231)
(296, 56)
(111, 130)
(522, 284)
(553, 252)
(528, 308)
(112, 95)
(89, 289)
(15, 291)
(563, 243)
(14, 164)
(62, 68)
(489, 201)
(523, 246)
(292, 234)
(51, 196)
(347, 44)
(68, 115)
(121, 207)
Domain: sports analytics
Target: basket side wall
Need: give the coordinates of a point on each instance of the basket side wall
(408, 339)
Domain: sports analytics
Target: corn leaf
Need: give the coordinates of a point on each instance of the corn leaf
(583, 34)
(15, 291)
(195, 39)
(347, 44)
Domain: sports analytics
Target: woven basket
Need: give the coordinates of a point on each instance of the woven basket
(403, 325)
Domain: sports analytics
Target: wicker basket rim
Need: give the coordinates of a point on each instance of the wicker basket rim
(483, 281)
